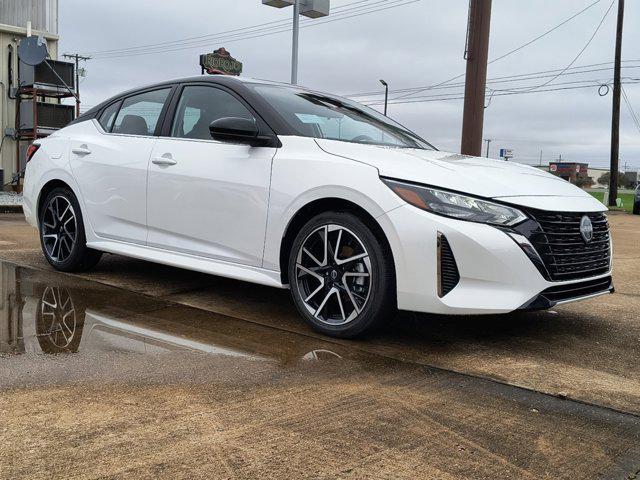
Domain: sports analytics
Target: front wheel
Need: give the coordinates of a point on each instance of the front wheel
(62, 233)
(341, 275)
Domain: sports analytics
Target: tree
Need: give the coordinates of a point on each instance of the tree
(604, 179)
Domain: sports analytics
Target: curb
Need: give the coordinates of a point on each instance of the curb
(11, 209)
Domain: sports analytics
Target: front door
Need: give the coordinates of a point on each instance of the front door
(205, 197)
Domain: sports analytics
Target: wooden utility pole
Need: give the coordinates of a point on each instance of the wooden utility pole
(615, 117)
(476, 80)
(77, 57)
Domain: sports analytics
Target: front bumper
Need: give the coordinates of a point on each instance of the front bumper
(496, 276)
(570, 293)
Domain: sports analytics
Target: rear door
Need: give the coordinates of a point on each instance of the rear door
(206, 197)
(111, 165)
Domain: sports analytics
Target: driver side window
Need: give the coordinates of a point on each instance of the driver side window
(201, 105)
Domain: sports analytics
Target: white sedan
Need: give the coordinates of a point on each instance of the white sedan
(293, 188)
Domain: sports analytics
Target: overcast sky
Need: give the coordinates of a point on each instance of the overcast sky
(415, 44)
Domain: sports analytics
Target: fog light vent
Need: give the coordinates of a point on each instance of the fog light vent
(448, 275)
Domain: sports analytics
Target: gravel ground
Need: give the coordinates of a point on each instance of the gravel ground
(10, 198)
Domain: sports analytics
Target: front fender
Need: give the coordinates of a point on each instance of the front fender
(302, 173)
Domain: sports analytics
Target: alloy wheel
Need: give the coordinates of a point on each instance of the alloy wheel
(59, 228)
(58, 315)
(333, 274)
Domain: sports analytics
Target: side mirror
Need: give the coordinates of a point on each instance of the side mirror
(239, 130)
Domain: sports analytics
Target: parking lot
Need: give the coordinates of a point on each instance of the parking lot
(191, 375)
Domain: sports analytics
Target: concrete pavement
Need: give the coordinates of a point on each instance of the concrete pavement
(436, 395)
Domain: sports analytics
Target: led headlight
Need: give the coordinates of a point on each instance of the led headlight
(455, 205)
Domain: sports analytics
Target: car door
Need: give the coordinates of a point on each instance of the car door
(110, 164)
(206, 197)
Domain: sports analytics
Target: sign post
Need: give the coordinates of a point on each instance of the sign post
(506, 153)
(220, 62)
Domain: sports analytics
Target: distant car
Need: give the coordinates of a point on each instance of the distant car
(289, 187)
(636, 202)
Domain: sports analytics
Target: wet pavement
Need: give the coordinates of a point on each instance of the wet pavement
(175, 373)
(96, 381)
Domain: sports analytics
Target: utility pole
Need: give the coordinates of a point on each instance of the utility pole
(488, 140)
(476, 77)
(615, 117)
(77, 57)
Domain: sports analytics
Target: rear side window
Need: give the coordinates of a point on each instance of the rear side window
(108, 115)
(199, 106)
(140, 113)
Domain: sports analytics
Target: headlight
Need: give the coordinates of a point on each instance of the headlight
(456, 205)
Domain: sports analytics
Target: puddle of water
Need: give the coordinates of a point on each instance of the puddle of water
(44, 313)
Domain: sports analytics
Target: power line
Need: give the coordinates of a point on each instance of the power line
(214, 35)
(524, 45)
(441, 97)
(518, 90)
(258, 31)
(504, 79)
(635, 118)
(575, 59)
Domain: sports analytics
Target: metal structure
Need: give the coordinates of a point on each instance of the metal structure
(40, 79)
(20, 19)
(308, 8)
(42, 14)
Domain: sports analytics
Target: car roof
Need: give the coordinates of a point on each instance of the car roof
(214, 79)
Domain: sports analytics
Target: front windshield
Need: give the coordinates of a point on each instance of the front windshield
(317, 115)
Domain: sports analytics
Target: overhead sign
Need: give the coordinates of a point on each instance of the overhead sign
(220, 62)
(506, 153)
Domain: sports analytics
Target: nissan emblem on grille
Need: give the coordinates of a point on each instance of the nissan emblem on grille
(586, 229)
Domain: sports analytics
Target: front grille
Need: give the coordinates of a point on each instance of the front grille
(448, 275)
(564, 252)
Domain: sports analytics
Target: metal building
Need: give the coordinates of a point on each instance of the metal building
(14, 15)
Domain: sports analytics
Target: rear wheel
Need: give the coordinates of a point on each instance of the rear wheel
(62, 233)
(636, 208)
(341, 275)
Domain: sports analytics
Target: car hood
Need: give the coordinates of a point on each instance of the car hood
(478, 176)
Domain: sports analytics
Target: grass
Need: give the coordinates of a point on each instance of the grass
(627, 199)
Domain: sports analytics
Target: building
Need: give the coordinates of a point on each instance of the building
(596, 173)
(14, 15)
(573, 172)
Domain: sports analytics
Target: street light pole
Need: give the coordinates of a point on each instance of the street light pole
(294, 42)
(386, 95)
(308, 8)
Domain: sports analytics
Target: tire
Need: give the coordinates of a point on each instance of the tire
(343, 298)
(62, 234)
(636, 208)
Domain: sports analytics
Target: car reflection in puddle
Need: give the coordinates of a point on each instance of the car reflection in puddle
(48, 313)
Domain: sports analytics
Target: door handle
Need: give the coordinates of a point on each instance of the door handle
(81, 150)
(163, 161)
